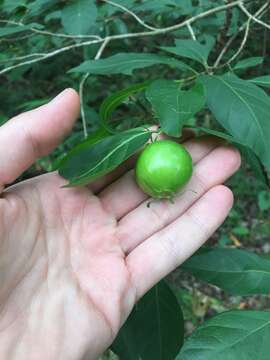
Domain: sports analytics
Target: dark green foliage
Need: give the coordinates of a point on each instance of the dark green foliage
(155, 328)
(228, 336)
(236, 271)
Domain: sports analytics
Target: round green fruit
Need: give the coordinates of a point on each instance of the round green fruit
(163, 168)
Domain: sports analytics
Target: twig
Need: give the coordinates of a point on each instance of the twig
(17, 38)
(49, 55)
(136, 17)
(44, 32)
(253, 17)
(81, 87)
(49, 33)
(21, 57)
(191, 31)
(11, 22)
(102, 48)
(125, 36)
(260, 12)
(243, 43)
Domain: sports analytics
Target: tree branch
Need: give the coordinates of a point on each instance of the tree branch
(136, 17)
(50, 54)
(260, 12)
(253, 17)
(191, 31)
(49, 33)
(126, 36)
(243, 43)
(82, 83)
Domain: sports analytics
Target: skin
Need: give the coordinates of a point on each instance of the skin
(75, 260)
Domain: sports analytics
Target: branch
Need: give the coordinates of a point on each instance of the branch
(136, 17)
(243, 43)
(191, 31)
(11, 22)
(253, 17)
(21, 57)
(260, 12)
(82, 83)
(49, 55)
(126, 36)
(45, 32)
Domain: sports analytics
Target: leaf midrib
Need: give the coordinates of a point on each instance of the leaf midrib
(124, 62)
(108, 155)
(232, 272)
(242, 339)
(247, 105)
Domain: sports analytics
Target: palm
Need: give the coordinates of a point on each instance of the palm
(75, 260)
(73, 249)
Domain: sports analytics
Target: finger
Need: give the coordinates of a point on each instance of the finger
(201, 146)
(213, 169)
(36, 132)
(123, 196)
(166, 250)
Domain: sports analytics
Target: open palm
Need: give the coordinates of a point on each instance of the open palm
(75, 260)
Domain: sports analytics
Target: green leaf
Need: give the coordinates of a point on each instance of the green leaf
(249, 62)
(172, 105)
(190, 49)
(79, 16)
(54, 15)
(156, 5)
(155, 328)
(255, 164)
(125, 63)
(264, 200)
(237, 271)
(38, 7)
(243, 110)
(92, 139)
(232, 335)
(11, 5)
(98, 159)
(10, 30)
(240, 230)
(217, 133)
(113, 101)
(246, 153)
(263, 81)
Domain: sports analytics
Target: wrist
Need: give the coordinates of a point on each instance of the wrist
(21, 343)
(25, 346)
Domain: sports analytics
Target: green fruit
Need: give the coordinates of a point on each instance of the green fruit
(163, 168)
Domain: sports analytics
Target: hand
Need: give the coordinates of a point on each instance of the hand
(75, 260)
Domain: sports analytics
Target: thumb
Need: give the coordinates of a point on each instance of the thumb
(35, 133)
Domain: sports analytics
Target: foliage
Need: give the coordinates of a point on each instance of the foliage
(163, 332)
(228, 336)
(174, 64)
